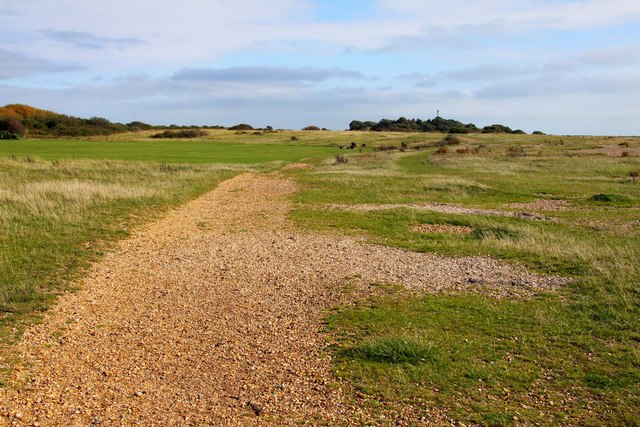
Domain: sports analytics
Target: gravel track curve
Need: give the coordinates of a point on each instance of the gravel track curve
(212, 316)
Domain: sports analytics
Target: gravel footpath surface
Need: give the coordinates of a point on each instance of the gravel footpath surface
(212, 316)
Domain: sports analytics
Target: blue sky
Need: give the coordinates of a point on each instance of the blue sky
(561, 66)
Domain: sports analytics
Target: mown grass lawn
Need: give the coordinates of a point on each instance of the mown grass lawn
(571, 357)
(186, 151)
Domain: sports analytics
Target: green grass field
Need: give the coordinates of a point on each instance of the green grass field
(567, 357)
(188, 151)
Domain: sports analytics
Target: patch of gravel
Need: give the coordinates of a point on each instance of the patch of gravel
(442, 228)
(443, 208)
(212, 316)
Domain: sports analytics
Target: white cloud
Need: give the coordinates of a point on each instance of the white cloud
(264, 75)
(517, 14)
(16, 65)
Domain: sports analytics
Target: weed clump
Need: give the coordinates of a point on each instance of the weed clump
(341, 158)
(516, 152)
(167, 168)
(634, 175)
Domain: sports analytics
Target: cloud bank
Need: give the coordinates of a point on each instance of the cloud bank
(532, 64)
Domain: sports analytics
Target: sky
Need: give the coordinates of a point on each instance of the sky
(559, 66)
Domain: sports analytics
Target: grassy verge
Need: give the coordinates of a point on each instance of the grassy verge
(56, 217)
(571, 357)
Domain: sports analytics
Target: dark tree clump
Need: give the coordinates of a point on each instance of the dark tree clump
(11, 128)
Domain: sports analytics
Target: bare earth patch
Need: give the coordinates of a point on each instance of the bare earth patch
(442, 228)
(298, 166)
(212, 316)
(613, 150)
(443, 208)
(544, 205)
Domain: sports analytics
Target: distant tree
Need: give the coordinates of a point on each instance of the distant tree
(537, 132)
(312, 127)
(438, 124)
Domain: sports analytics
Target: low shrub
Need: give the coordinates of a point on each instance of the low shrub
(183, 133)
(241, 126)
(452, 140)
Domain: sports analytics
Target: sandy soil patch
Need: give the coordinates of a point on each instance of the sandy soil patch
(212, 316)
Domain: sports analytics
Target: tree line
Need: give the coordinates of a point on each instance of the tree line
(438, 124)
(18, 121)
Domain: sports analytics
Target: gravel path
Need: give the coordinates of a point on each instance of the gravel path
(212, 316)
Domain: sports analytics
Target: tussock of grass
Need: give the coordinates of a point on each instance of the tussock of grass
(393, 350)
(498, 233)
